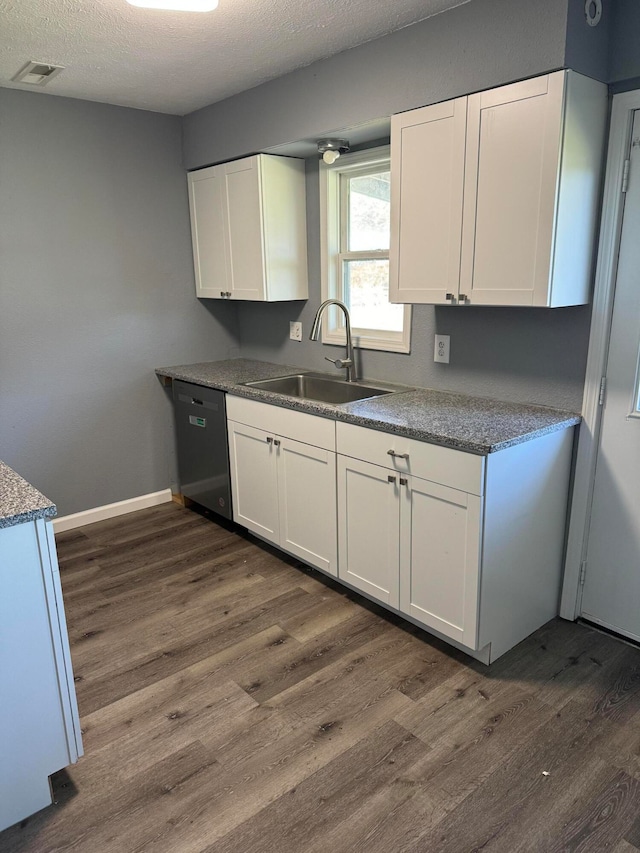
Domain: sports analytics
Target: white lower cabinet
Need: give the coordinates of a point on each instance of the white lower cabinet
(284, 489)
(39, 712)
(411, 544)
(469, 547)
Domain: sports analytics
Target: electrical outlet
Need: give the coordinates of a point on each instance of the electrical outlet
(295, 331)
(441, 349)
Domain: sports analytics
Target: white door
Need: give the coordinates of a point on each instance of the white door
(307, 498)
(611, 594)
(439, 558)
(254, 484)
(369, 529)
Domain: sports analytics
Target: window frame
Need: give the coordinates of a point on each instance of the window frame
(334, 250)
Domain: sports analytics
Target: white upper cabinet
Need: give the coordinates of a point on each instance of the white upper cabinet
(248, 228)
(497, 203)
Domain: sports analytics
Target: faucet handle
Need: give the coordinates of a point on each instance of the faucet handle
(339, 362)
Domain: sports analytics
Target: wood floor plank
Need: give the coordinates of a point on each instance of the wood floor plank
(366, 772)
(233, 700)
(524, 785)
(135, 669)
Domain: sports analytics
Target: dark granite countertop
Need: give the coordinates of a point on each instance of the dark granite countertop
(19, 501)
(473, 424)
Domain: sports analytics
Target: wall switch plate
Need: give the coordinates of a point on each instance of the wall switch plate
(295, 331)
(441, 349)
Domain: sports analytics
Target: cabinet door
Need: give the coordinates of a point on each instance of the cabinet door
(209, 231)
(427, 169)
(368, 529)
(254, 482)
(514, 137)
(307, 500)
(246, 248)
(440, 558)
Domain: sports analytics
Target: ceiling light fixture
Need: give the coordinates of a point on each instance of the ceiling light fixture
(331, 149)
(177, 5)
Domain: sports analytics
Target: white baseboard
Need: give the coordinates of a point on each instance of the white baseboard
(101, 513)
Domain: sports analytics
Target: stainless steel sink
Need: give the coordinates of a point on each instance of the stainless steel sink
(317, 386)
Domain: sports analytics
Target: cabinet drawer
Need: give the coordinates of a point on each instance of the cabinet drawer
(299, 426)
(454, 468)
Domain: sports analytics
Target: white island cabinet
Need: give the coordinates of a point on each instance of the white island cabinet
(38, 713)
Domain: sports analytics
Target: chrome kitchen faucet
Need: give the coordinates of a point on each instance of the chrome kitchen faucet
(349, 362)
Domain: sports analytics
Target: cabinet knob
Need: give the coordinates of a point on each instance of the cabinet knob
(397, 455)
(404, 481)
(391, 478)
(269, 440)
(463, 297)
(228, 294)
(276, 442)
(449, 296)
(223, 294)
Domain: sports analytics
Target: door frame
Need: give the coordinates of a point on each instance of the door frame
(624, 106)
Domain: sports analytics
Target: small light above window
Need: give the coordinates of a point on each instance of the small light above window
(177, 5)
(331, 149)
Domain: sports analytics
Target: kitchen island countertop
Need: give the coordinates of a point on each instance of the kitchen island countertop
(19, 500)
(473, 424)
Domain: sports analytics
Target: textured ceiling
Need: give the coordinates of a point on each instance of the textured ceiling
(176, 62)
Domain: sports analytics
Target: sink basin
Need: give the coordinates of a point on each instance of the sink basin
(314, 386)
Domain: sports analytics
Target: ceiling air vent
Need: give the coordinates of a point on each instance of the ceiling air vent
(37, 73)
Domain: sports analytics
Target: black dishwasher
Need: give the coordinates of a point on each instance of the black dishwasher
(201, 437)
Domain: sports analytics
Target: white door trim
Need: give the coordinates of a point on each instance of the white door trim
(624, 106)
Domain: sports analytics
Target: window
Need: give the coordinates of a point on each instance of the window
(355, 228)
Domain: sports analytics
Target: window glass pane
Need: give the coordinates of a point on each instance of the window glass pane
(366, 290)
(369, 218)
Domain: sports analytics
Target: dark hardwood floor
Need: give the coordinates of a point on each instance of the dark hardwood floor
(234, 702)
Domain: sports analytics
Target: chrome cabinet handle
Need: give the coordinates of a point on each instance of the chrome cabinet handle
(397, 455)
(463, 297)
(449, 296)
(276, 442)
(222, 293)
(269, 440)
(404, 481)
(391, 478)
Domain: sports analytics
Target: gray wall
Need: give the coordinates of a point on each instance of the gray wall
(475, 46)
(624, 51)
(96, 289)
(528, 355)
(521, 354)
(587, 48)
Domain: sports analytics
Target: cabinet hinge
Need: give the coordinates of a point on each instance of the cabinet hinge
(603, 386)
(583, 572)
(625, 175)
